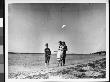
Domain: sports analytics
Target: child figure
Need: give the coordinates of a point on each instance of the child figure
(47, 54)
(60, 53)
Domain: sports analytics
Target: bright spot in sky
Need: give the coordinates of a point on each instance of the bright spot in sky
(63, 26)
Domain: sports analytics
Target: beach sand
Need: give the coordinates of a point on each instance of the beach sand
(88, 66)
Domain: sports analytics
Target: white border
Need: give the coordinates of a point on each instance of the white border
(6, 41)
(55, 1)
(107, 40)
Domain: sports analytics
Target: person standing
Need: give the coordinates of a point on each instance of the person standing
(47, 54)
(60, 53)
(64, 52)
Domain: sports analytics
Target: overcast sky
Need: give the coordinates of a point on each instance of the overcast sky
(32, 25)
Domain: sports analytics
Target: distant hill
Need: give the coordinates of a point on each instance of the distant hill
(100, 52)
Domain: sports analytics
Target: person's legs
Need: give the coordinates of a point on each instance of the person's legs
(45, 64)
(48, 60)
(45, 61)
(58, 61)
(64, 59)
(61, 62)
(61, 59)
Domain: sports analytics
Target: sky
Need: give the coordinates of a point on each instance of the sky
(31, 25)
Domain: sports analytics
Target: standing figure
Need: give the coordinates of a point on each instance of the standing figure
(47, 55)
(60, 53)
(64, 52)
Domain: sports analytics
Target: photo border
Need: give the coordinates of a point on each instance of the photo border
(56, 1)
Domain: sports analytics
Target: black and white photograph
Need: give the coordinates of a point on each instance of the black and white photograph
(57, 41)
(2, 76)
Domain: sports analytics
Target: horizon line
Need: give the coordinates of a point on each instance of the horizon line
(52, 53)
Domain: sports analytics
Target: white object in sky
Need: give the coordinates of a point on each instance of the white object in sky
(63, 26)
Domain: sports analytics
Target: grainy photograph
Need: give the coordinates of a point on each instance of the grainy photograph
(57, 41)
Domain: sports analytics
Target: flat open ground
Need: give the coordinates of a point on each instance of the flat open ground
(31, 66)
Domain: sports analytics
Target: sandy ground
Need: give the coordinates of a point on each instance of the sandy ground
(89, 68)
